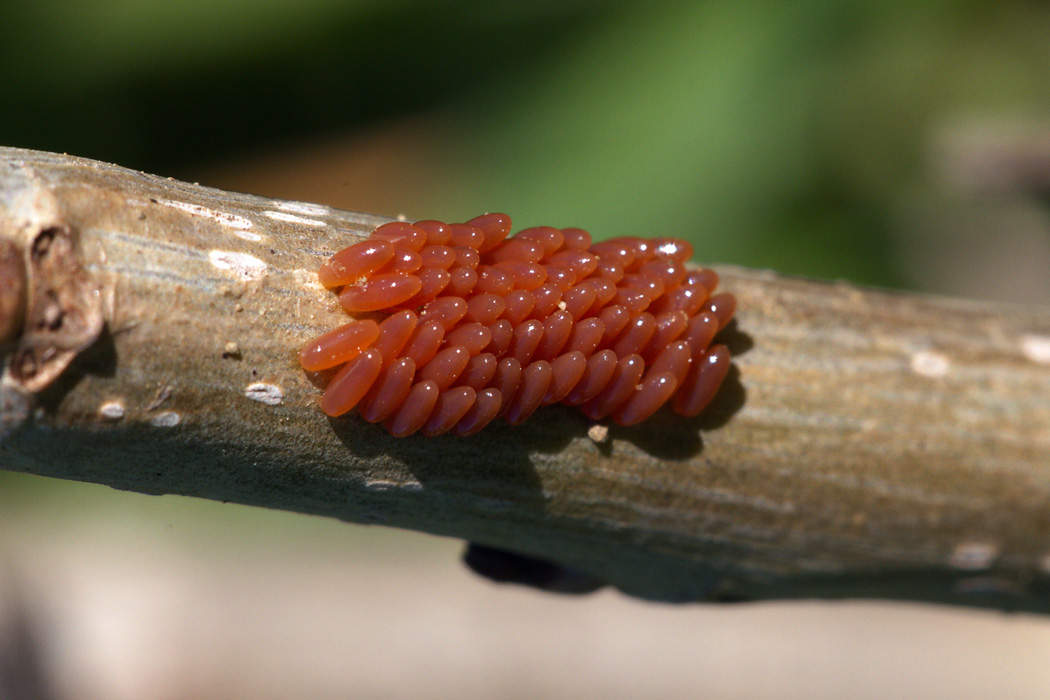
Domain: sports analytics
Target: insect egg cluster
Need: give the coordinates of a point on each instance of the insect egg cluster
(458, 324)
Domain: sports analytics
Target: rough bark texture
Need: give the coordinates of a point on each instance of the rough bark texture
(866, 443)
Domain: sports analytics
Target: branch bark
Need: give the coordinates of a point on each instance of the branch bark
(866, 443)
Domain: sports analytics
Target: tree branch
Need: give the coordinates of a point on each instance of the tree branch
(866, 443)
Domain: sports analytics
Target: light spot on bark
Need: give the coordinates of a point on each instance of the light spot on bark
(269, 394)
(930, 364)
(112, 410)
(1036, 348)
(246, 267)
(293, 219)
(167, 419)
(390, 485)
(238, 225)
(303, 208)
(307, 279)
(974, 556)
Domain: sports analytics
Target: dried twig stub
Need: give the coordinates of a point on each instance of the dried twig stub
(64, 314)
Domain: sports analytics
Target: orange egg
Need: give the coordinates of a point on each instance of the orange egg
(467, 323)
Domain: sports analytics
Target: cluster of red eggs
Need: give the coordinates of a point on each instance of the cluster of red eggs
(480, 325)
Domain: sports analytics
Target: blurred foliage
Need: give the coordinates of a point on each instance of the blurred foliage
(772, 134)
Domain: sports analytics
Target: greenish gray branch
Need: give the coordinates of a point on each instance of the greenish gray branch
(866, 443)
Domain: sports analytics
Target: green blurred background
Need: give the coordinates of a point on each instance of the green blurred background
(831, 139)
(897, 144)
